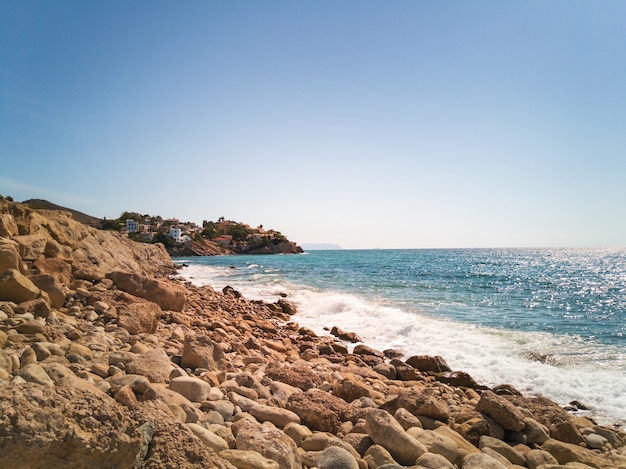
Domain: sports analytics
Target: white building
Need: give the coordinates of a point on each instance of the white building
(175, 234)
(132, 226)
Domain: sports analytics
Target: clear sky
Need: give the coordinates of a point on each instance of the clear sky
(390, 124)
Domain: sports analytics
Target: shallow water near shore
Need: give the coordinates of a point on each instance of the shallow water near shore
(550, 322)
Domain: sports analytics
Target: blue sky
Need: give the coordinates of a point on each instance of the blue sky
(400, 124)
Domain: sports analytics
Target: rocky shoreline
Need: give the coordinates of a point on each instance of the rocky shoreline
(109, 360)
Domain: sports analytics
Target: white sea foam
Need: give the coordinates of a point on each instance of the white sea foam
(561, 368)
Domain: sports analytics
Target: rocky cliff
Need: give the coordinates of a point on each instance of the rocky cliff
(107, 360)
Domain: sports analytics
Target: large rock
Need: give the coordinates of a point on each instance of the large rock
(436, 443)
(66, 426)
(209, 438)
(31, 246)
(16, 287)
(191, 387)
(428, 363)
(538, 457)
(418, 402)
(500, 447)
(555, 419)
(297, 376)
(139, 316)
(278, 416)
(481, 461)
(268, 441)
(154, 365)
(168, 295)
(335, 457)
(384, 430)
(9, 255)
(322, 411)
(201, 352)
(52, 287)
(248, 459)
(8, 227)
(569, 453)
(501, 410)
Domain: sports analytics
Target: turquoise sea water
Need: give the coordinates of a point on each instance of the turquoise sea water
(549, 321)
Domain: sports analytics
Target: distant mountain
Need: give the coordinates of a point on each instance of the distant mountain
(78, 216)
(320, 246)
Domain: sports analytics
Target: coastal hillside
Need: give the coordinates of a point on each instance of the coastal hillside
(186, 238)
(108, 359)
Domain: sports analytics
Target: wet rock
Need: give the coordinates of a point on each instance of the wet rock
(428, 363)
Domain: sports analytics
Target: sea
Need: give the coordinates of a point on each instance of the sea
(550, 322)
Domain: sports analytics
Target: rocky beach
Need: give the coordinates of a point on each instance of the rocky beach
(108, 359)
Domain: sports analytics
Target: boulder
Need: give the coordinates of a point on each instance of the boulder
(481, 461)
(168, 295)
(16, 287)
(56, 428)
(537, 457)
(433, 461)
(209, 438)
(31, 246)
(278, 416)
(201, 352)
(9, 255)
(419, 402)
(350, 390)
(502, 411)
(301, 377)
(569, 453)
(500, 447)
(52, 287)
(384, 430)
(377, 456)
(335, 457)
(154, 365)
(191, 387)
(60, 268)
(320, 410)
(248, 459)
(269, 442)
(139, 317)
(8, 227)
(436, 443)
(555, 419)
(428, 363)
